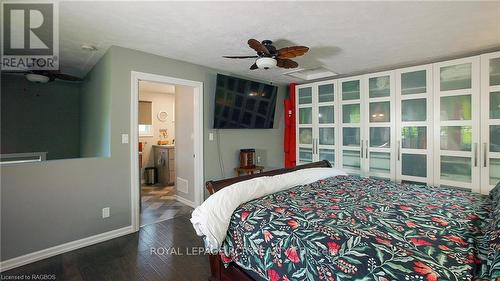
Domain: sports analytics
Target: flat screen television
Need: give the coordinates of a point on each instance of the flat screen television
(243, 104)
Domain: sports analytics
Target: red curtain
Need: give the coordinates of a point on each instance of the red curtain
(290, 130)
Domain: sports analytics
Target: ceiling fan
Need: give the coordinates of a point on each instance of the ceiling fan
(269, 57)
(44, 76)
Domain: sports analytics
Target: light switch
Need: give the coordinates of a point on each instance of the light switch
(211, 136)
(124, 138)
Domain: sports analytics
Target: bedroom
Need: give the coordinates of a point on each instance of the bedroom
(385, 46)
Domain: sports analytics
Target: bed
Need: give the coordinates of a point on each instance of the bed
(348, 227)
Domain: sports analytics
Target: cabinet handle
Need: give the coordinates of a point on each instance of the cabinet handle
(399, 150)
(485, 151)
(366, 151)
(475, 154)
(362, 148)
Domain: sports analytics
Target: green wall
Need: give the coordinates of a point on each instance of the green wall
(40, 117)
(95, 108)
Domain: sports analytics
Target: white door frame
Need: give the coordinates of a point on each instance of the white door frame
(134, 137)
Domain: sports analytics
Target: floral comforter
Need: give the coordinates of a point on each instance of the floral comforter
(355, 228)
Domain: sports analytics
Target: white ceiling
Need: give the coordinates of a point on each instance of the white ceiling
(345, 37)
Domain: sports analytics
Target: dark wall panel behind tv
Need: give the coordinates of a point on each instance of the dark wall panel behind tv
(243, 104)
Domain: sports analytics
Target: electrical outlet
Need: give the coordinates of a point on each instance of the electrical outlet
(105, 212)
(211, 136)
(124, 138)
(258, 159)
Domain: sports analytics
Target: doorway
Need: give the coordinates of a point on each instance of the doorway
(166, 146)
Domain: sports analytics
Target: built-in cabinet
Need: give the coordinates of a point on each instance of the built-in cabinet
(316, 122)
(457, 123)
(490, 120)
(414, 124)
(437, 124)
(351, 114)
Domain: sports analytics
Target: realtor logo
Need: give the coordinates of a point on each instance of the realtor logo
(30, 38)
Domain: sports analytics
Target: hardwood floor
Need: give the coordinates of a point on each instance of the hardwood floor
(160, 251)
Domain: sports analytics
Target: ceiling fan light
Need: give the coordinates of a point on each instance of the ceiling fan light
(37, 78)
(266, 63)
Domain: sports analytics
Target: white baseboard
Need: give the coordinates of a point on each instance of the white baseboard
(185, 201)
(63, 248)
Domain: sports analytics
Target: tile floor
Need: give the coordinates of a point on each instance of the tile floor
(159, 204)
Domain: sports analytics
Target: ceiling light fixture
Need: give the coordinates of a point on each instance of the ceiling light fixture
(37, 78)
(88, 47)
(266, 63)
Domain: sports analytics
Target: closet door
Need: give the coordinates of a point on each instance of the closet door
(490, 121)
(456, 126)
(380, 126)
(350, 129)
(326, 120)
(305, 111)
(414, 106)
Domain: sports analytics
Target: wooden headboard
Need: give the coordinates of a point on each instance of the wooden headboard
(214, 186)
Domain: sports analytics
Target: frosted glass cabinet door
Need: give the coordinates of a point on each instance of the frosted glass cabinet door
(351, 160)
(414, 110)
(379, 130)
(414, 137)
(327, 154)
(326, 114)
(414, 98)
(305, 115)
(327, 136)
(305, 136)
(490, 121)
(351, 136)
(351, 113)
(325, 121)
(316, 106)
(414, 82)
(306, 111)
(457, 138)
(456, 168)
(326, 93)
(351, 90)
(351, 95)
(414, 165)
(379, 86)
(494, 72)
(495, 105)
(305, 155)
(494, 138)
(380, 162)
(494, 171)
(305, 95)
(457, 123)
(456, 108)
(380, 137)
(456, 77)
(380, 111)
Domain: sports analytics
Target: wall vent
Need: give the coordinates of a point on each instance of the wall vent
(182, 185)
